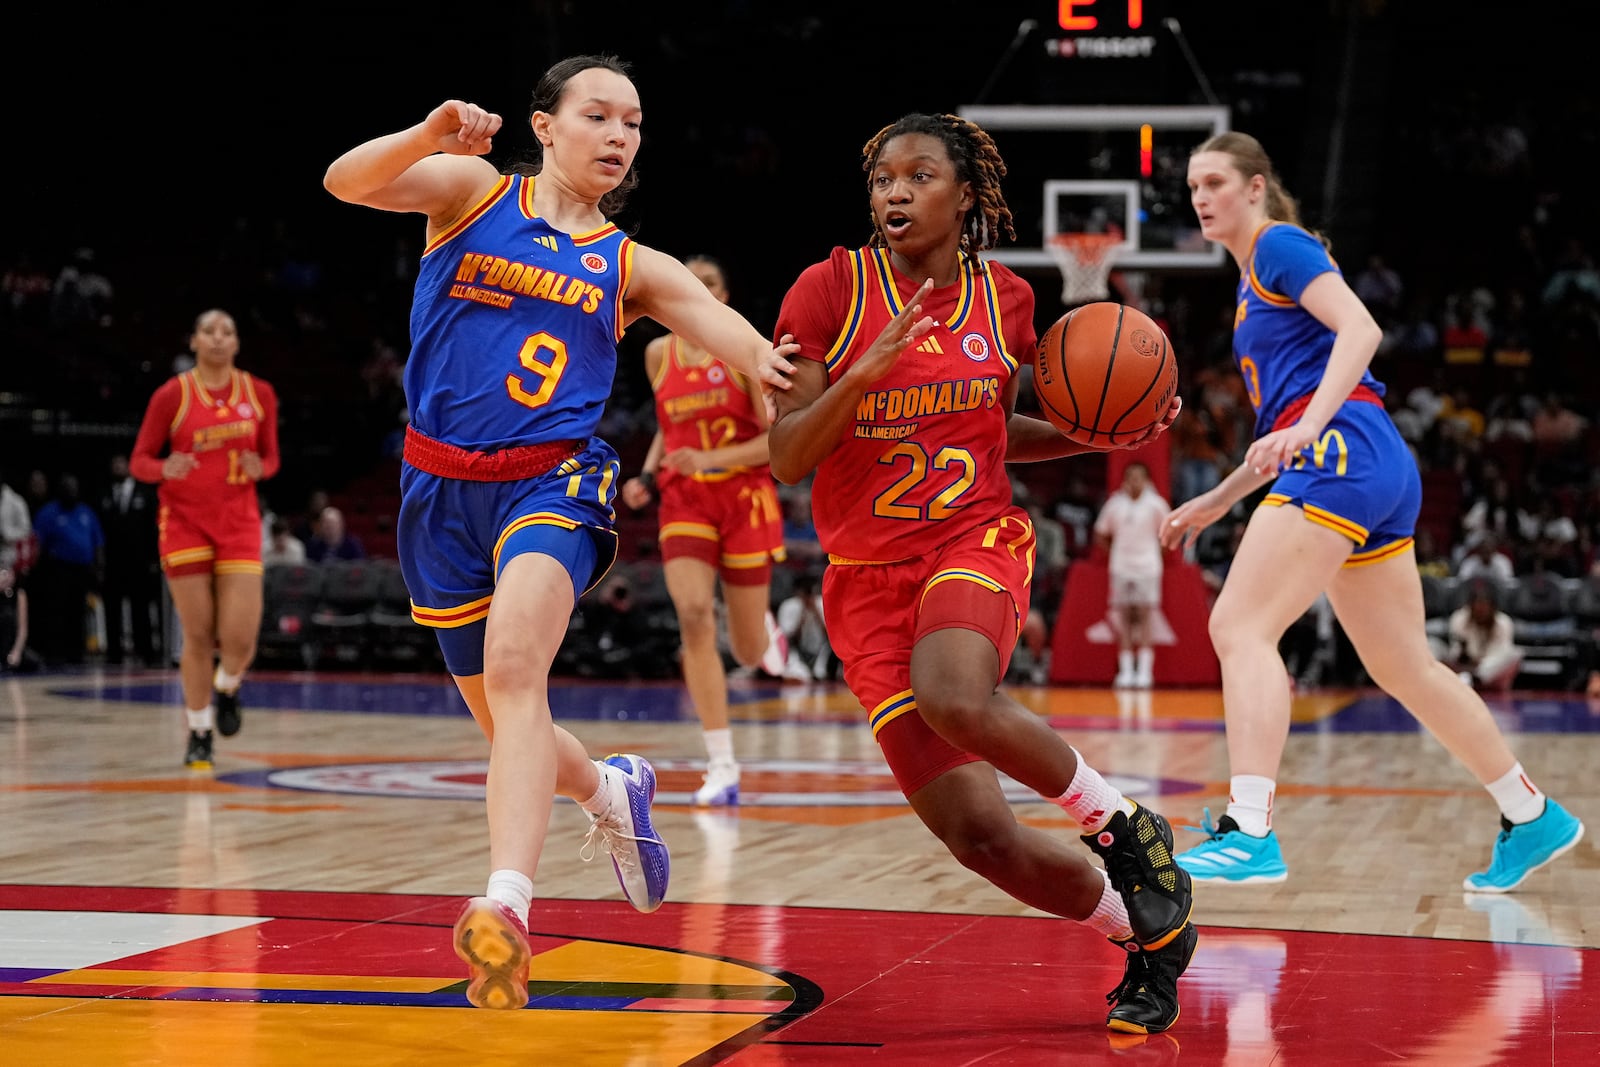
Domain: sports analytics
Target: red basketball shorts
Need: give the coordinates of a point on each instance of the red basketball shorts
(878, 612)
(222, 539)
(733, 525)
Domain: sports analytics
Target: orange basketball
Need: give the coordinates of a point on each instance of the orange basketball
(1105, 374)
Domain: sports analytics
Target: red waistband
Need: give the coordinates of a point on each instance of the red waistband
(506, 465)
(1291, 414)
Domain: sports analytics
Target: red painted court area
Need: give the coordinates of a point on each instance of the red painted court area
(370, 978)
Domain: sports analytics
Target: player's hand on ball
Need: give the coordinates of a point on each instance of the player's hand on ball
(1190, 517)
(1272, 453)
(1159, 428)
(462, 129)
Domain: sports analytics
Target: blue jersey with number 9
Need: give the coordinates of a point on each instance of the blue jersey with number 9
(514, 326)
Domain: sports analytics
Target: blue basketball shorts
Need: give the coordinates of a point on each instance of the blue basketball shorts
(455, 538)
(1358, 479)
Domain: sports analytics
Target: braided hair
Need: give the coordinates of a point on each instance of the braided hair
(976, 160)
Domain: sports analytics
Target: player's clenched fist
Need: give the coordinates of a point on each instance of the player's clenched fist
(463, 129)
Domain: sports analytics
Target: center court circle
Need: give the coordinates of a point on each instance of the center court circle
(764, 783)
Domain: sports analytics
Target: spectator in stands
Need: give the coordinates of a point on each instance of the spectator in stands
(799, 532)
(71, 558)
(1556, 544)
(1431, 563)
(330, 540)
(316, 503)
(1496, 512)
(1486, 560)
(1481, 645)
(1380, 288)
(128, 511)
(14, 622)
(283, 547)
(82, 295)
(16, 522)
(800, 618)
(1460, 410)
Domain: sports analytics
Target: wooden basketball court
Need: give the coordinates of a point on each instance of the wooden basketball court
(294, 906)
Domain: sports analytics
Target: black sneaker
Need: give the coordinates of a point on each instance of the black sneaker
(228, 716)
(1147, 1000)
(1137, 851)
(197, 757)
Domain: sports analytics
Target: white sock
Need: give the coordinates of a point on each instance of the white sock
(1125, 662)
(1250, 803)
(1146, 658)
(201, 719)
(1519, 799)
(1090, 799)
(601, 801)
(719, 745)
(513, 889)
(223, 682)
(1110, 916)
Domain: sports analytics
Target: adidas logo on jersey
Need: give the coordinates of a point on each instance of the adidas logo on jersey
(549, 241)
(931, 346)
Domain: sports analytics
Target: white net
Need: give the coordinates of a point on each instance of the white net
(1085, 260)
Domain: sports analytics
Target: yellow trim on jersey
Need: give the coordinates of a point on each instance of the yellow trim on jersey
(1274, 499)
(1378, 555)
(956, 574)
(450, 618)
(1338, 523)
(183, 405)
(846, 561)
(891, 294)
(740, 561)
(539, 518)
(624, 279)
(689, 529)
(891, 709)
(237, 566)
(249, 381)
(1276, 299)
(474, 213)
(852, 321)
(188, 555)
(992, 300)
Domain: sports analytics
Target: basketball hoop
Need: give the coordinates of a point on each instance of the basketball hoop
(1085, 262)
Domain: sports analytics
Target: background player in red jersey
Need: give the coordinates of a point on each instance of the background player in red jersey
(719, 518)
(219, 428)
(902, 401)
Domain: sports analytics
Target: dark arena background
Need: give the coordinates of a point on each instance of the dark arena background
(294, 904)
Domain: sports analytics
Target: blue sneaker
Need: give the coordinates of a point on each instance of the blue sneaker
(1523, 848)
(1231, 856)
(639, 856)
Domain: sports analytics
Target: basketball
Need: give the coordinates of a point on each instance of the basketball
(1105, 374)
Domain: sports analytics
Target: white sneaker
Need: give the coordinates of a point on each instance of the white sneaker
(1143, 680)
(1124, 680)
(721, 788)
(776, 657)
(638, 855)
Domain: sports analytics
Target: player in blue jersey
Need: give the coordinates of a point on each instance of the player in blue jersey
(1339, 518)
(506, 518)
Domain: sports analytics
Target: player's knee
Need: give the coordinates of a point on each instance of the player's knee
(747, 647)
(960, 717)
(985, 843)
(697, 621)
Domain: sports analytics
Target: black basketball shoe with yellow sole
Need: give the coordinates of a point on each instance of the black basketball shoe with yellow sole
(1147, 1000)
(1137, 852)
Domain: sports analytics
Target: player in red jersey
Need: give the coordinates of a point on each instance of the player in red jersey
(719, 519)
(902, 402)
(219, 428)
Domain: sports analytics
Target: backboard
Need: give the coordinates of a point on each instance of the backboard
(1091, 168)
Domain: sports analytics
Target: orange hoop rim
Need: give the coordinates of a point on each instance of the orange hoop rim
(1078, 242)
(1085, 262)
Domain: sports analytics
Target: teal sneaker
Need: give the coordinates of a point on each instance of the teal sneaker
(1523, 848)
(1230, 855)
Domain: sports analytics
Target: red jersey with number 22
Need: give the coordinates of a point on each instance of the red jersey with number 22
(923, 460)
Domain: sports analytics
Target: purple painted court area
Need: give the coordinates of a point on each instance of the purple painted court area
(1535, 713)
